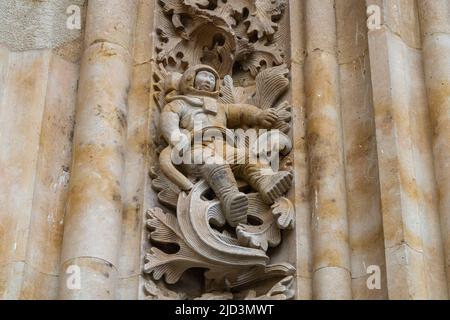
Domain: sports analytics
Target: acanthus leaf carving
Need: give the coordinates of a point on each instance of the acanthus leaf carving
(261, 236)
(216, 296)
(261, 19)
(219, 33)
(171, 266)
(167, 191)
(270, 85)
(155, 292)
(284, 212)
(283, 290)
(263, 56)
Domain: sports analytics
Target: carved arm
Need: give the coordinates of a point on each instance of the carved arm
(170, 125)
(239, 115)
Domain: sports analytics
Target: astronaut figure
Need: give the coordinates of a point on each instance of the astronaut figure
(198, 103)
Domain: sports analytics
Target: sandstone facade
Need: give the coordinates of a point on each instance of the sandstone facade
(369, 86)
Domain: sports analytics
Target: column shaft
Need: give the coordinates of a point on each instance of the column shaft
(435, 24)
(331, 256)
(94, 210)
(412, 237)
(140, 156)
(301, 238)
(360, 147)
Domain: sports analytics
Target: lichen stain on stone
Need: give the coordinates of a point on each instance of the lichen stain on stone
(26, 79)
(368, 239)
(390, 199)
(7, 228)
(408, 184)
(385, 119)
(328, 257)
(131, 216)
(363, 146)
(439, 103)
(323, 146)
(114, 116)
(329, 209)
(122, 119)
(413, 238)
(138, 142)
(93, 177)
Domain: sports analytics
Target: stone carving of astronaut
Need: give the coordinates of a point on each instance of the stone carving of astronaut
(198, 103)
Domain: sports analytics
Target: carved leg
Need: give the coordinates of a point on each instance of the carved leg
(234, 203)
(270, 185)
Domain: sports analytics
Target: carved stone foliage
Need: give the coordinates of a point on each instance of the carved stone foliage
(222, 219)
(225, 34)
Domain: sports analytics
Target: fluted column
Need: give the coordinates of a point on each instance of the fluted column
(94, 210)
(301, 238)
(435, 25)
(140, 155)
(412, 236)
(360, 147)
(331, 257)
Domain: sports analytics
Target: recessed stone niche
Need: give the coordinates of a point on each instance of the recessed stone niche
(349, 200)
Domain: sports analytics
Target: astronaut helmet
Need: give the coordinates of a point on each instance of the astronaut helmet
(187, 82)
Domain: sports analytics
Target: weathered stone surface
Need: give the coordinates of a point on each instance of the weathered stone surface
(410, 214)
(97, 279)
(366, 127)
(30, 25)
(140, 155)
(435, 22)
(38, 231)
(95, 203)
(329, 219)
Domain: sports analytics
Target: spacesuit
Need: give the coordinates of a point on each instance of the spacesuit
(198, 103)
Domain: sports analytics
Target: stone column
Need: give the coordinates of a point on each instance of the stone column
(331, 257)
(360, 149)
(435, 25)
(38, 86)
(140, 155)
(94, 210)
(412, 237)
(301, 239)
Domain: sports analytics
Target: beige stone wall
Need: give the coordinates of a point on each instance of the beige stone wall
(371, 132)
(37, 120)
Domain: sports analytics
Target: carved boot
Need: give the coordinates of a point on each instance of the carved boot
(270, 185)
(234, 203)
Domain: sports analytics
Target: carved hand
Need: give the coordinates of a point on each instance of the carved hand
(267, 118)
